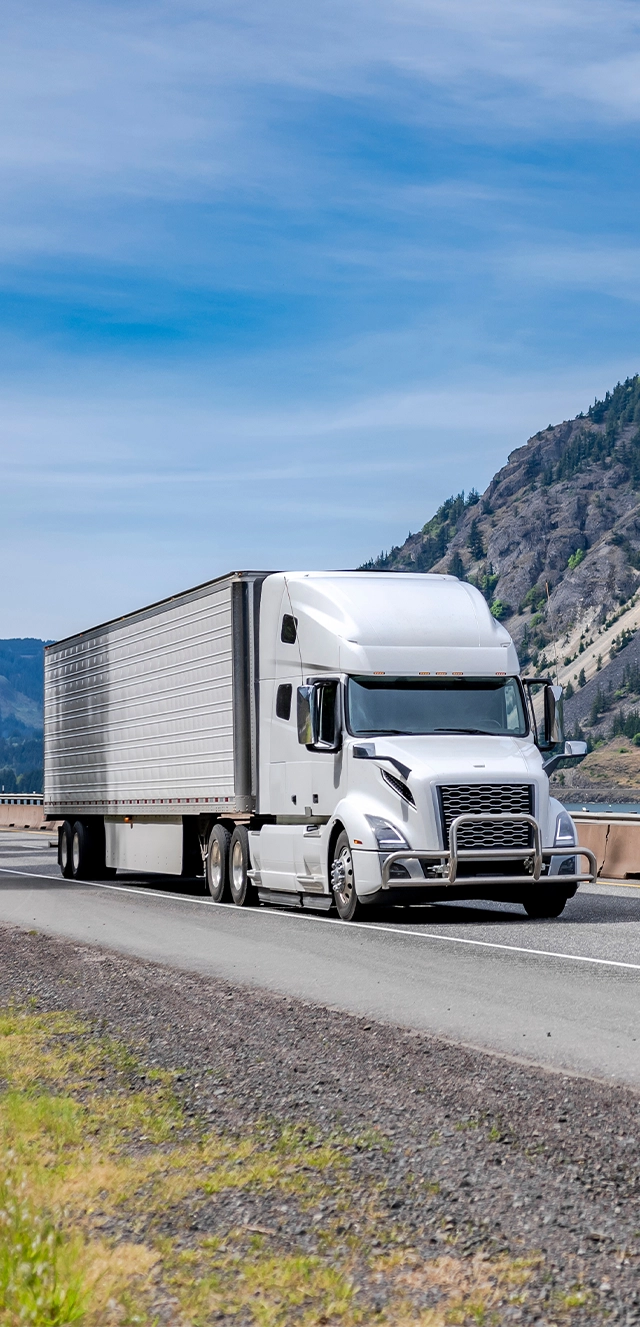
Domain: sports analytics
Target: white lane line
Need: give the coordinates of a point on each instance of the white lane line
(298, 914)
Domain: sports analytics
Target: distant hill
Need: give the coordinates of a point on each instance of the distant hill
(556, 532)
(21, 686)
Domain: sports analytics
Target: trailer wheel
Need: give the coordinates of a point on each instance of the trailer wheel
(64, 850)
(81, 856)
(218, 863)
(242, 891)
(343, 880)
(549, 905)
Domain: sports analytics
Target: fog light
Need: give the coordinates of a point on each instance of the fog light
(398, 871)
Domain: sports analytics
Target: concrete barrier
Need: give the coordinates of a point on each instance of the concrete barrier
(24, 812)
(615, 840)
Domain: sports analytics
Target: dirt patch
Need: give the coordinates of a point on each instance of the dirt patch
(618, 762)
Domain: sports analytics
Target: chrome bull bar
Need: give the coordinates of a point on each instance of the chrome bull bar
(450, 857)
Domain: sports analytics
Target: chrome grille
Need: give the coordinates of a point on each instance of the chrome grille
(459, 799)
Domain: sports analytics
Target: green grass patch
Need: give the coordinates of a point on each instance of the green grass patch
(113, 1203)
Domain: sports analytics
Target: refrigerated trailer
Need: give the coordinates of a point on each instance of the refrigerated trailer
(313, 740)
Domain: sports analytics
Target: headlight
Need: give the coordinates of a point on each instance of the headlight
(565, 831)
(387, 837)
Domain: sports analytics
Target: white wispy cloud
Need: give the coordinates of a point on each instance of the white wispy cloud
(378, 183)
(611, 267)
(143, 99)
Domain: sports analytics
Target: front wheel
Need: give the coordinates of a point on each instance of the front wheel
(343, 881)
(242, 890)
(545, 905)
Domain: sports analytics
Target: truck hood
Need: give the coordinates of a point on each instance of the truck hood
(465, 758)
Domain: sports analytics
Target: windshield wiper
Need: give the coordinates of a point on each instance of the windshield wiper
(477, 732)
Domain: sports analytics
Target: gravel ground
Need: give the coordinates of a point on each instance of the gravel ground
(485, 1155)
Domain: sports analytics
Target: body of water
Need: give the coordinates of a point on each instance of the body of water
(617, 808)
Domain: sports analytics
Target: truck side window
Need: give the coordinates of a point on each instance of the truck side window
(283, 701)
(288, 632)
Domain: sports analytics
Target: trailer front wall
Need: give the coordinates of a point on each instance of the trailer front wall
(139, 714)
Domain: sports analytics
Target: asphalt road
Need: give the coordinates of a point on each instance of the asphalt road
(563, 993)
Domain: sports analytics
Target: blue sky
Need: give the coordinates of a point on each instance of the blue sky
(277, 279)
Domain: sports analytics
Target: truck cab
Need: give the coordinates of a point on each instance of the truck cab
(402, 758)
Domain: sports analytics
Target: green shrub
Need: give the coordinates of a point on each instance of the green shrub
(535, 598)
(34, 1287)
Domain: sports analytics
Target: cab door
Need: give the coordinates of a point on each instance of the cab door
(326, 765)
(326, 787)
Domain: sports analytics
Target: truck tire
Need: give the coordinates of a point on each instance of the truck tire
(218, 863)
(343, 881)
(545, 905)
(81, 852)
(242, 890)
(65, 838)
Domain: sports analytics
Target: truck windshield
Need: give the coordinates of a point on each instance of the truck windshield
(487, 705)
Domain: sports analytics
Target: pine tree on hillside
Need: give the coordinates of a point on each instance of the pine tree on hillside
(474, 542)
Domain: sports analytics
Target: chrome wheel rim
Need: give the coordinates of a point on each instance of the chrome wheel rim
(64, 852)
(342, 882)
(75, 851)
(215, 865)
(237, 869)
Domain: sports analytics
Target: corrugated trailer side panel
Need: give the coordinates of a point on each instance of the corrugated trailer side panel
(140, 714)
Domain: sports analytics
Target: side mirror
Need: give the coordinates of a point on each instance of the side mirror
(552, 716)
(318, 715)
(306, 711)
(572, 753)
(545, 711)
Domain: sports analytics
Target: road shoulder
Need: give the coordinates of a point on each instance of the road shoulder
(465, 1157)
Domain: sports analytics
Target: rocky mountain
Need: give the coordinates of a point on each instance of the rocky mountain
(556, 536)
(554, 545)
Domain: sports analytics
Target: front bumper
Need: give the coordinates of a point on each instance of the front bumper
(534, 859)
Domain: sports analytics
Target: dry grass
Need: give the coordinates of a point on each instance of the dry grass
(618, 762)
(101, 1177)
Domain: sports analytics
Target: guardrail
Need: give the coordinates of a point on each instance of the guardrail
(21, 799)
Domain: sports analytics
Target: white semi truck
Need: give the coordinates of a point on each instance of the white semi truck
(312, 739)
